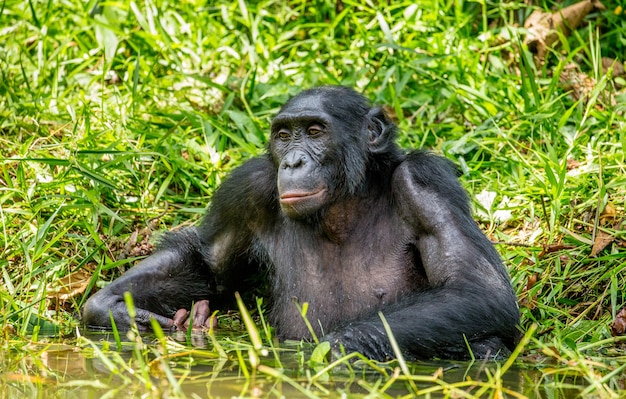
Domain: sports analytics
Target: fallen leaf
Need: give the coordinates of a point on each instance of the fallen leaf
(572, 164)
(618, 67)
(548, 249)
(578, 83)
(602, 240)
(609, 213)
(9, 329)
(69, 286)
(69, 361)
(528, 300)
(618, 327)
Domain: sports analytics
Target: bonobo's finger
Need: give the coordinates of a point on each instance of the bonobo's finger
(164, 322)
(180, 319)
(211, 323)
(201, 313)
(144, 318)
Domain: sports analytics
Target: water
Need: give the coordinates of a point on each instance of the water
(95, 368)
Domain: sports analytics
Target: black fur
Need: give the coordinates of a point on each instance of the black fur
(336, 215)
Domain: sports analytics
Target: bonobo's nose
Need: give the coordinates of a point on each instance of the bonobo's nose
(294, 160)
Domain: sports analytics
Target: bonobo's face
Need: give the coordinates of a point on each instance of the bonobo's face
(300, 137)
(320, 144)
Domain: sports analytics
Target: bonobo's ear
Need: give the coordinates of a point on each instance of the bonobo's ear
(380, 130)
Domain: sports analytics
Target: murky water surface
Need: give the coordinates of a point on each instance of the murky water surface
(96, 368)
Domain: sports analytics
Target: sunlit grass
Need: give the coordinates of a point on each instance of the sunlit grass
(119, 119)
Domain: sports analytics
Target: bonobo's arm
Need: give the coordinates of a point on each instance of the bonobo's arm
(197, 263)
(169, 279)
(469, 296)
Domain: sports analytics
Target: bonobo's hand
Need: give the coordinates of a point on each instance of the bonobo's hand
(201, 317)
(365, 339)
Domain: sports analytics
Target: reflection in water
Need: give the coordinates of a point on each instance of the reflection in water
(179, 368)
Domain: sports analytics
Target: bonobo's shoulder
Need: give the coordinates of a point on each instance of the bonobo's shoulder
(427, 169)
(246, 198)
(253, 181)
(423, 170)
(254, 169)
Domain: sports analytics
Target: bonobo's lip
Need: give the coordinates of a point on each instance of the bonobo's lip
(293, 197)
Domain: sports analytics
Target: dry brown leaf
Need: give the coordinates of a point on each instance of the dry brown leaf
(608, 218)
(578, 83)
(528, 300)
(532, 280)
(609, 213)
(618, 67)
(572, 164)
(602, 240)
(60, 358)
(618, 327)
(543, 26)
(548, 249)
(69, 286)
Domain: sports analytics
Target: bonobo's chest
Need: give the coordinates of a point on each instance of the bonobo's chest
(343, 271)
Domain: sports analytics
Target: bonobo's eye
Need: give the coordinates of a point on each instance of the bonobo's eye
(314, 130)
(283, 134)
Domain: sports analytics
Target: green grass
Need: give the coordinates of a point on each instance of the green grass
(119, 119)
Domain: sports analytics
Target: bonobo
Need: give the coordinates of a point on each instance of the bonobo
(336, 215)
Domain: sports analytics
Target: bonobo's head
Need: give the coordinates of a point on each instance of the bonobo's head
(324, 141)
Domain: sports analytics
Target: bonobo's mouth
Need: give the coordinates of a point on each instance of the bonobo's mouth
(295, 197)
